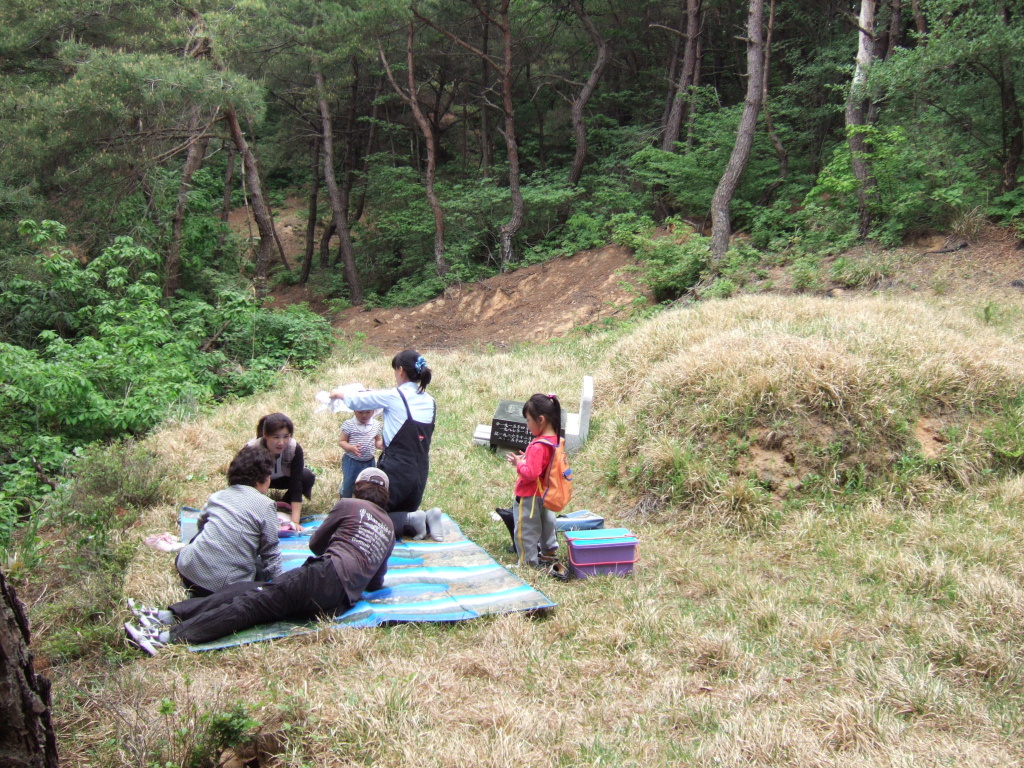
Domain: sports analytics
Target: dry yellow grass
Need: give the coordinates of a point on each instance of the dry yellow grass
(868, 628)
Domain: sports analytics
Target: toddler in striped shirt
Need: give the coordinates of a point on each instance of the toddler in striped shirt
(360, 440)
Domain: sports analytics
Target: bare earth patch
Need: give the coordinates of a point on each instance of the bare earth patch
(532, 304)
(930, 438)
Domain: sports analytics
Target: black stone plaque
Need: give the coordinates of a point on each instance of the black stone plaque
(508, 427)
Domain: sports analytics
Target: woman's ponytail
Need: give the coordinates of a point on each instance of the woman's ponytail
(415, 367)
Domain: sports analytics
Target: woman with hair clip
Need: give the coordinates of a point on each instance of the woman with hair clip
(275, 432)
(409, 416)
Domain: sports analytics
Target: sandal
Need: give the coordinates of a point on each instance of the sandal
(558, 571)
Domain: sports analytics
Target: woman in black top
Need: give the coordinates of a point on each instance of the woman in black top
(275, 432)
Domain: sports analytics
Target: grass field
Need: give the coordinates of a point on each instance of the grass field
(817, 586)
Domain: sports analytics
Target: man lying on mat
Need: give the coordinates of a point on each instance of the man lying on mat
(351, 549)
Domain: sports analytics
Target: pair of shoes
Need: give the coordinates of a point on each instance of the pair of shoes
(558, 571)
(149, 616)
(145, 638)
(547, 558)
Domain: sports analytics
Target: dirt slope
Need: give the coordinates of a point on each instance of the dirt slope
(550, 299)
(531, 304)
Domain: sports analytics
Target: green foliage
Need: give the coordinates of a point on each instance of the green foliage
(294, 335)
(1009, 208)
(91, 352)
(806, 273)
(721, 288)
(673, 267)
(865, 271)
(113, 484)
(203, 741)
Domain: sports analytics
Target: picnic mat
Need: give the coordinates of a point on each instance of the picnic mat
(448, 580)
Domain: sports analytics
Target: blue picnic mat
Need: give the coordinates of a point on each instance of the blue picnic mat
(448, 580)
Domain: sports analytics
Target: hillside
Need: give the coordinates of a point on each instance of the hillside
(591, 287)
(828, 497)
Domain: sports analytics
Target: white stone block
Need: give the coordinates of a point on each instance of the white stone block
(578, 427)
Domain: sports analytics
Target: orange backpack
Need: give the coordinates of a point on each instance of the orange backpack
(556, 493)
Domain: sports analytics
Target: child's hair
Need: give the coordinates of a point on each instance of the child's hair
(251, 465)
(272, 422)
(371, 492)
(414, 365)
(547, 406)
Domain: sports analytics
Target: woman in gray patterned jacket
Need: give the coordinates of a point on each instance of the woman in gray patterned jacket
(238, 530)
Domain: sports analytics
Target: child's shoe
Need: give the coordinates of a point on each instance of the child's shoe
(558, 571)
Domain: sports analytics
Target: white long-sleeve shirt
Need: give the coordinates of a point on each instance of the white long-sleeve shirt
(421, 405)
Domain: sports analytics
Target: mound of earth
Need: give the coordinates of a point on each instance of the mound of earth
(531, 304)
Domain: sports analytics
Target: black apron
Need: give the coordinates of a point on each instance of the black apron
(406, 462)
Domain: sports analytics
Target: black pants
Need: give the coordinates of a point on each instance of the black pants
(303, 593)
(285, 483)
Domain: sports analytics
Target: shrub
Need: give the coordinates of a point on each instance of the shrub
(99, 353)
(294, 335)
(673, 267)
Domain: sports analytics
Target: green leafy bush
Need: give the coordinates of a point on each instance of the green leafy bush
(294, 335)
(672, 267)
(93, 352)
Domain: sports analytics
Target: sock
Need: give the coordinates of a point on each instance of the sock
(418, 522)
(166, 617)
(435, 524)
(164, 637)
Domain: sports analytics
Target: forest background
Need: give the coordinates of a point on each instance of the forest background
(439, 143)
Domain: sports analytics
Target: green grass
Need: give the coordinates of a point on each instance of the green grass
(870, 614)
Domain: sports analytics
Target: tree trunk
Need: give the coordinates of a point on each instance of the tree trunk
(857, 107)
(680, 106)
(350, 156)
(225, 207)
(721, 203)
(511, 227)
(895, 28)
(673, 73)
(1013, 124)
(485, 129)
(325, 245)
(193, 162)
(27, 738)
(1013, 135)
(579, 127)
(370, 137)
(691, 114)
(411, 98)
(780, 150)
(314, 195)
(340, 214)
(251, 174)
(919, 20)
(277, 241)
(270, 212)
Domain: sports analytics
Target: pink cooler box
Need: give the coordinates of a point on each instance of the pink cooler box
(602, 551)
